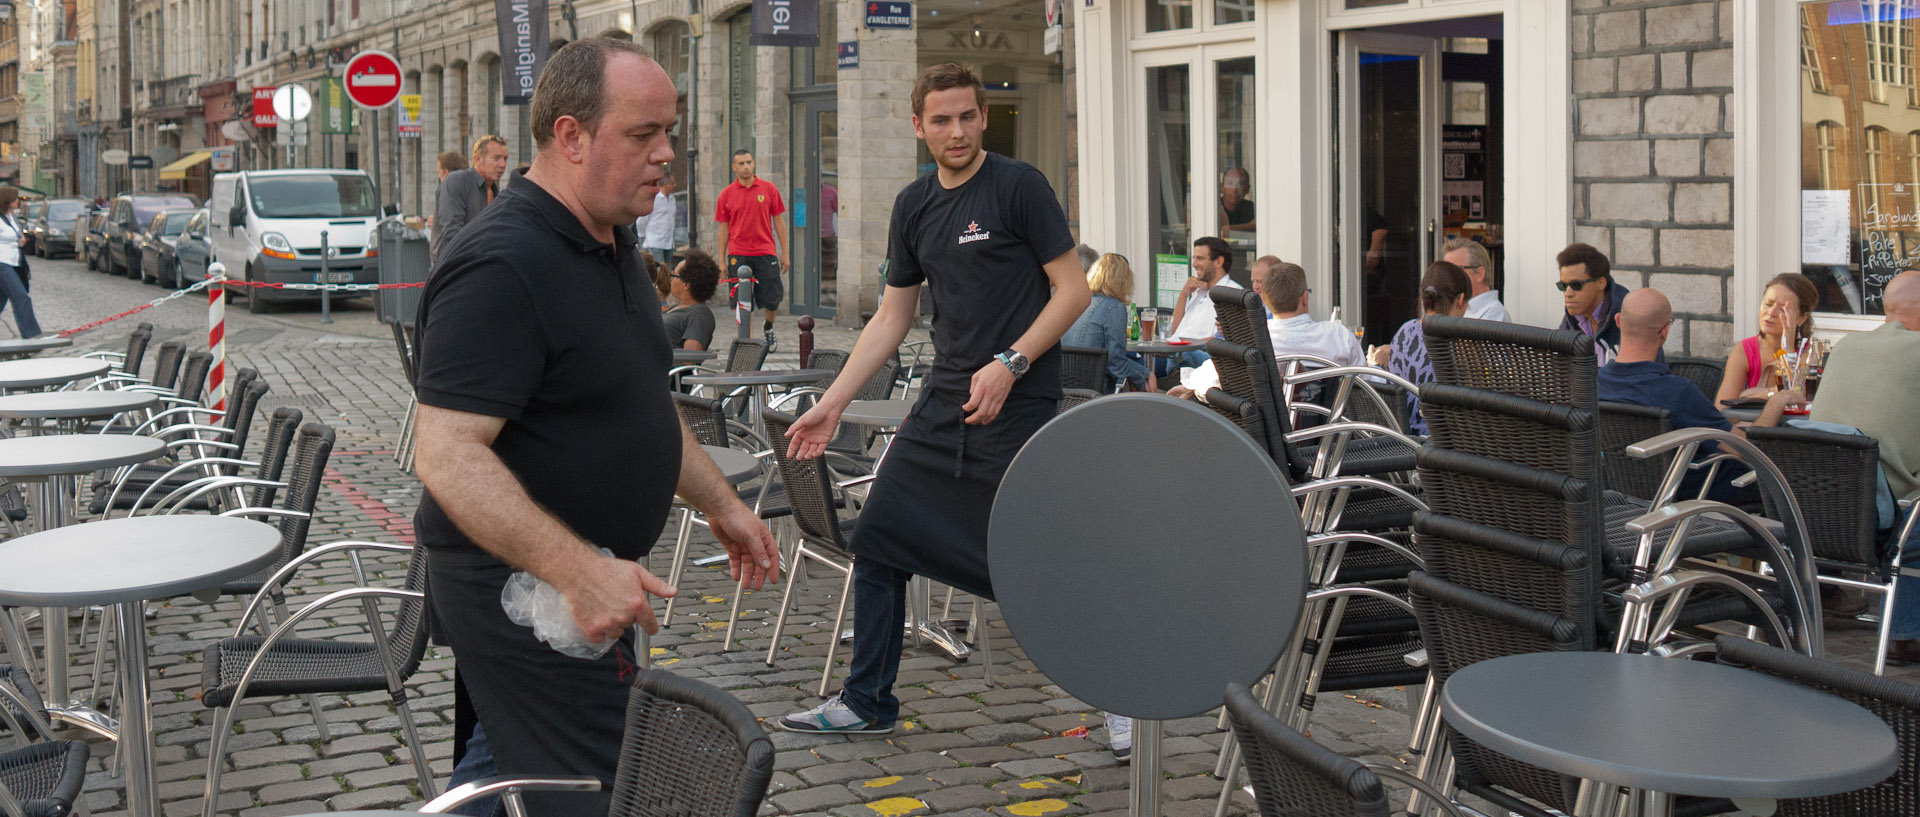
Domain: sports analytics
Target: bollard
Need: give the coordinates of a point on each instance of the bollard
(326, 301)
(806, 339)
(217, 335)
(743, 301)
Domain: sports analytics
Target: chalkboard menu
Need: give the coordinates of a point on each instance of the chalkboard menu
(1889, 219)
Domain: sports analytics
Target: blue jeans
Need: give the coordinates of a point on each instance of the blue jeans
(1164, 366)
(15, 292)
(879, 622)
(1906, 593)
(476, 764)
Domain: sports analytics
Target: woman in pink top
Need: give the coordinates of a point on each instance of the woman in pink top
(1786, 317)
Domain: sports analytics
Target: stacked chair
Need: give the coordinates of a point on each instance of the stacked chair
(823, 534)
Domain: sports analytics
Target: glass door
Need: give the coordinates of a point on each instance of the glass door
(1389, 141)
(815, 206)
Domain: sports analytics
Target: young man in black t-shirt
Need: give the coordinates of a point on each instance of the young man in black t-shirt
(985, 232)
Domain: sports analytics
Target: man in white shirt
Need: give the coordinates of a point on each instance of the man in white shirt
(656, 229)
(1484, 303)
(1193, 317)
(1292, 329)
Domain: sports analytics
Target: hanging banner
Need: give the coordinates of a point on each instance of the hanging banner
(523, 47)
(336, 114)
(263, 107)
(790, 23)
(410, 116)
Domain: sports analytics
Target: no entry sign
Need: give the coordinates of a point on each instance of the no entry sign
(373, 79)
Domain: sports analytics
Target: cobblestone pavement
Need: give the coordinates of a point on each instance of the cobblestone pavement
(1015, 746)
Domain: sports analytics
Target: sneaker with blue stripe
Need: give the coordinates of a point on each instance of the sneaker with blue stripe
(831, 718)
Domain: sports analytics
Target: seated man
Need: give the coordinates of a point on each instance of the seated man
(1868, 384)
(690, 324)
(1293, 330)
(1193, 317)
(1471, 257)
(1637, 376)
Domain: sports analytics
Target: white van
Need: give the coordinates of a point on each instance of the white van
(266, 227)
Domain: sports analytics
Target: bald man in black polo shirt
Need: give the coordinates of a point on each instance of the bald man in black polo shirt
(546, 429)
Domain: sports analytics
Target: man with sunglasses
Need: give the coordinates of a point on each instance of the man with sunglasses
(1592, 298)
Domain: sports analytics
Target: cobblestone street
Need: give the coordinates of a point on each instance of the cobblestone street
(1017, 746)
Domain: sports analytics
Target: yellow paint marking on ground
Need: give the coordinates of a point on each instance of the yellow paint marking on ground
(881, 782)
(897, 806)
(1038, 784)
(713, 599)
(668, 661)
(1036, 808)
(657, 651)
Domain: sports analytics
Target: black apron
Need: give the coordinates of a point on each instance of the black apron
(928, 511)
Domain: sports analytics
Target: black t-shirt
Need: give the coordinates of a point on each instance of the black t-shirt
(1237, 215)
(531, 319)
(687, 323)
(981, 246)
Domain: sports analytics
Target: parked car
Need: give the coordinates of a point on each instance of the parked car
(96, 241)
(267, 225)
(157, 260)
(193, 251)
(52, 228)
(29, 213)
(131, 215)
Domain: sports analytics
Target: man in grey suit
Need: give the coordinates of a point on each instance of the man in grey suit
(463, 193)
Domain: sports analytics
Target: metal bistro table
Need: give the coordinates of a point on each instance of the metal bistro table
(758, 381)
(40, 373)
(26, 347)
(687, 357)
(72, 409)
(1239, 557)
(126, 562)
(1152, 351)
(49, 464)
(1669, 726)
(882, 414)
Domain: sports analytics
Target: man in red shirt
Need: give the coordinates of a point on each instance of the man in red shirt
(745, 211)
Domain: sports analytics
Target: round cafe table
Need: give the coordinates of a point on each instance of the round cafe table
(39, 373)
(1152, 351)
(27, 347)
(74, 407)
(1669, 726)
(684, 357)
(757, 382)
(877, 412)
(127, 562)
(1240, 557)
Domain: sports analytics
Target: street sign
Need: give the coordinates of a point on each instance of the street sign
(373, 79)
(113, 156)
(409, 119)
(263, 107)
(140, 162)
(887, 14)
(234, 130)
(222, 159)
(292, 134)
(849, 55)
(292, 102)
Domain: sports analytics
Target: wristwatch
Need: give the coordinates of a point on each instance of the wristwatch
(1016, 362)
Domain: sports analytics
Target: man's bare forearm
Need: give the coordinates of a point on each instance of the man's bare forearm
(878, 342)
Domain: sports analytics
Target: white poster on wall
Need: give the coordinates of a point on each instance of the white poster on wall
(1824, 227)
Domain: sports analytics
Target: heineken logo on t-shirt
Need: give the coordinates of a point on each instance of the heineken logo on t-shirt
(973, 233)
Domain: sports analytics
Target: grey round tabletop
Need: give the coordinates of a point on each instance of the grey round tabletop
(145, 557)
(48, 371)
(25, 346)
(1669, 725)
(765, 377)
(682, 357)
(74, 453)
(739, 466)
(74, 404)
(877, 412)
(1239, 556)
(1165, 348)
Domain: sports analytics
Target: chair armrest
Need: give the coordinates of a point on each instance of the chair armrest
(1331, 483)
(1344, 371)
(286, 571)
(1372, 429)
(779, 403)
(194, 441)
(206, 485)
(1433, 795)
(1337, 537)
(178, 410)
(506, 787)
(369, 594)
(691, 368)
(121, 482)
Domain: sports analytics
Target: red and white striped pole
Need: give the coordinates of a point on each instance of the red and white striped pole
(217, 335)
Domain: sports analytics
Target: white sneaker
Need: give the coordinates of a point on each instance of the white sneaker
(832, 718)
(1120, 736)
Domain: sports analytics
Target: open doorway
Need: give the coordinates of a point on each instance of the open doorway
(1420, 139)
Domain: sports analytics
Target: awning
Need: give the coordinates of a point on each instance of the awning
(178, 170)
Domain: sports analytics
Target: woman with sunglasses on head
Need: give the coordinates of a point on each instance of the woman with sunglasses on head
(1786, 318)
(1104, 323)
(1591, 296)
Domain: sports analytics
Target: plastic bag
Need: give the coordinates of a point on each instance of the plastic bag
(530, 602)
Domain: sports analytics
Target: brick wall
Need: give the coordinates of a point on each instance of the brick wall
(1653, 154)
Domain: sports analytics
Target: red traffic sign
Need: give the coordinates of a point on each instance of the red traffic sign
(373, 79)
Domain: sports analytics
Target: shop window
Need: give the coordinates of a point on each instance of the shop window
(1236, 105)
(1169, 15)
(1168, 167)
(1232, 11)
(1810, 52)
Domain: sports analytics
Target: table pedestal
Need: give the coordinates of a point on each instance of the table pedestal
(132, 629)
(1145, 797)
(50, 498)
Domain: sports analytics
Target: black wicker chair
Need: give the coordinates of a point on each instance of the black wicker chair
(217, 451)
(1621, 425)
(1896, 703)
(823, 534)
(1705, 373)
(1084, 367)
(166, 364)
(283, 663)
(1293, 776)
(43, 776)
(689, 749)
(1069, 398)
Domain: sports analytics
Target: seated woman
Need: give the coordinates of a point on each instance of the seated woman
(1444, 290)
(662, 280)
(1104, 324)
(690, 325)
(1786, 317)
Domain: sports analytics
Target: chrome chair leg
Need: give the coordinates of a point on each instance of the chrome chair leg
(839, 621)
(414, 747)
(780, 621)
(679, 560)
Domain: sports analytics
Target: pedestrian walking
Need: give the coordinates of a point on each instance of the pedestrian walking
(986, 233)
(753, 233)
(546, 430)
(13, 287)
